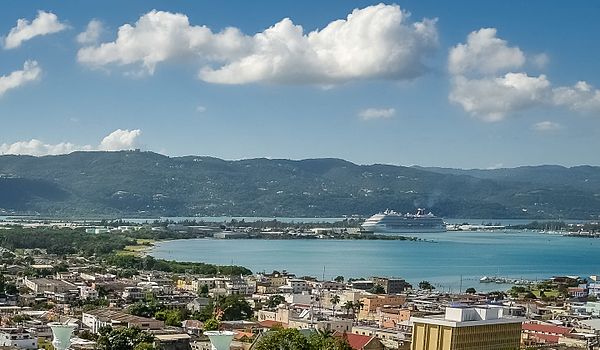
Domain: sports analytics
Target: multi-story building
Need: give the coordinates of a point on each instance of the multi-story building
(467, 328)
(96, 319)
(391, 285)
(41, 285)
(298, 285)
(371, 303)
(17, 338)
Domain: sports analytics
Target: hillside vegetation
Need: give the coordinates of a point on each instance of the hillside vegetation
(132, 183)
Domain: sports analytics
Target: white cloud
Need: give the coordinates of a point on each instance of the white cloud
(484, 53)
(479, 89)
(376, 113)
(120, 139)
(374, 42)
(45, 23)
(540, 61)
(546, 126)
(36, 147)
(579, 97)
(200, 109)
(491, 99)
(31, 72)
(91, 33)
(115, 141)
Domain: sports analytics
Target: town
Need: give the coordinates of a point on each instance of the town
(106, 288)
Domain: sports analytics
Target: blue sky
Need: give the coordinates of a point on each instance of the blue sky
(522, 89)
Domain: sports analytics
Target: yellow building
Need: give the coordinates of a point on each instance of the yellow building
(467, 328)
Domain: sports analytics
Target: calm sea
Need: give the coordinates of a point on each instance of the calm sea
(444, 259)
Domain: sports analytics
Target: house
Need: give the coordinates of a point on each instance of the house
(361, 342)
(96, 319)
(41, 285)
(538, 333)
(17, 337)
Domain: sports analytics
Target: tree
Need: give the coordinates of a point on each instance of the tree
(471, 290)
(339, 279)
(324, 340)
(349, 305)
(171, 317)
(203, 290)
(123, 338)
(283, 339)
(335, 299)
(234, 307)
(378, 289)
(211, 325)
(275, 300)
(426, 285)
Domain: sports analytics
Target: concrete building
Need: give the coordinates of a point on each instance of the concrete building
(298, 285)
(462, 328)
(391, 285)
(18, 338)
(95, 319)
(373, 302)
(41, 285)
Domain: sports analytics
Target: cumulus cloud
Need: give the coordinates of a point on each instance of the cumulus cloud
(36, 147)
(91, 33)
(491, 99)
(30, 72)
(546, 126)
(484, 84)
(120, 139)
(45, 23)
(484, 53)
(374, 42)
(200, 109)
(376, 113)
(115, 141)
(579, 97)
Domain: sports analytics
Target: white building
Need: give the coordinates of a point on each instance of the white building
(17, 337)
(298, 285)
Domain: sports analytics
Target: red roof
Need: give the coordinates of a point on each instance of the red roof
(546, 338)
(271, 324)
(356, 341)
(544, 328)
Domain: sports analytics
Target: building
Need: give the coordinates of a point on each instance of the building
(298, 285)
(96, 319)
(18, 338)
(361, 342)
(391, 285)
(537, 333)
(41, 285)
(462, 328)
(372, 303)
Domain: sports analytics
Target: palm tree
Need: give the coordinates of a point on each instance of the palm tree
(335, 299)
(349, 305)
(358, 306)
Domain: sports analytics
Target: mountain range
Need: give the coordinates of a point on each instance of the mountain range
(139, 184)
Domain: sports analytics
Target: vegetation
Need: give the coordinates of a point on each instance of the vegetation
(426, 285)
(124, 339)
(152, 184)
(293, 339)
(150, 263)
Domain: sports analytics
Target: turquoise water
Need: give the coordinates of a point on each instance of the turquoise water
(443, 260)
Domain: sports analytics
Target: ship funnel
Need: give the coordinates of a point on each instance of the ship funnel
(61, 333)
(220, 340)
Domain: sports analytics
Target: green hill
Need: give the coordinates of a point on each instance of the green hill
(132, 183)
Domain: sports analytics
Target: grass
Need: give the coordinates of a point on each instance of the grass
(138, 249)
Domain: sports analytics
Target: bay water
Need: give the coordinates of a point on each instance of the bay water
(449, 260)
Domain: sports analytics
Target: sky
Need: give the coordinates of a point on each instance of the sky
(463, 84)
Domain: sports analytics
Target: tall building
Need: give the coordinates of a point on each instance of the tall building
(391, 285)
(467, 328)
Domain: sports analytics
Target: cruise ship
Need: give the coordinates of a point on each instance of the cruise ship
(391, 222)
